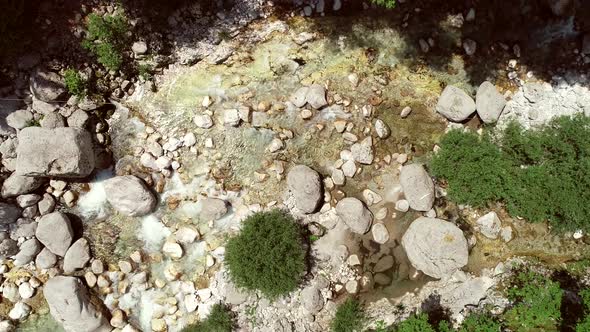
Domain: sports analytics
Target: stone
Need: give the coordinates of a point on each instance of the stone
(97, 266)
(78, 119)
(20, 311)
(190, 302)
(275, 145)
(77, 256)
(338, 177)
(354, 214)
(25, 290)
(231, 117)
(349, 168)
(489, 102)
(380, 233)
(353, 260)
(371, 197)
(362, 152)
(489, 225)
(125, 266)
(69, 303)
(10, 292)
(352, 286)
(470, 46)
(46, 204)
(46, 259)
(55, 232)
(53, 120)
(382, 279)
(117, 318)
(298, 98)
(130, 195)
(8, 247)
(405, 112)
(24, 227)
(19, 119)
(316, 96)
(384, 263)
(47, 86)
(186, 235)
(203, 121)
(27, 200)
(60, 152)
(212, 209)
(189, 140)
(506, 233)
(312, 299)
(233, 295)
(436, 247)
(27, 252)
(455, 105)
(8, 213)
(6, 326)
(158, 325)
(172, 250)
(139, 48)
(16, 185)
(382, 129)
(305, 186)
(402, 205)
(417, 186)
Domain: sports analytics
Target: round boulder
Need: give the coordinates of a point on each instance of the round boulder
(130, 195)
(454, 104)
(305, 185)
(418, 187)
(355, 215)
(435, 246)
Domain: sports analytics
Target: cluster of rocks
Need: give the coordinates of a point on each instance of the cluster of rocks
(457, 106)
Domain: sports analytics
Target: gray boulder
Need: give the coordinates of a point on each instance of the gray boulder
(8, 148)
(435, 246)
(490, 225)
(47, 86)
(312, 299)
(489, 102)
(8, 246)
(6, 108)
(16, 185)
(316, 96)
(60, 152)
(27, 252)
(212, 209)
(454, 104)
(305, 185)
(355, 215)
(53, 120)
(45, 259)
(298, 98)
(130, 195)
(77, 257)
(19, 119)
(8, 213)
(362, 151)
(23, 227)
(78, 119)
(55, 231)
(418, 187)
(70, 305)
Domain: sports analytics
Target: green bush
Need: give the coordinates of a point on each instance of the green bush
(385, 3)
(75, 84)
(349, 317)
(415, 323)
(584, 324)
(540, 175)
(537, 303)
(219, 320)
(105, 37)
(479, 322)
(268, 254)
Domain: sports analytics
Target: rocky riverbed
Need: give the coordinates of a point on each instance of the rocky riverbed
(122, 206)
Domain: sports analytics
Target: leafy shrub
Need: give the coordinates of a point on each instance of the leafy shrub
(480, 323)
(537, 303)
(385, 3)
(75, 84)
(584, 324)
(539, 174)
(415, 323)
(349, 317)
(219, 320)
(268, 254)
(105, 37)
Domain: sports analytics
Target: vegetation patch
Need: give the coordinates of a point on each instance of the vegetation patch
(75, 83)
(540, 175)
(349, 317)
(219, 320)
(268, 254)
(105, 37)
(416, 323)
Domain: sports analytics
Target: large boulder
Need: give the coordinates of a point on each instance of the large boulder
(130, 195)
(305, 185)
(8, 213)
(54, 230)
(418, 187)
(354, 214)
(489, 102)
(16, 185)
(77, 257)
(27, 252)
(435, 246)
(59, 152)
(454, 104)
(47, 86)
(212, 208)
(69, 304)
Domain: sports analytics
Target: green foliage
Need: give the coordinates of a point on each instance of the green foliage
(268, 254)
(219, 320)
(537, 303)
(75, 84)
(385, 3)
(539, 174)
(584, 324)
(349, 317)
(480, 323)
(380, 326)
(145, 71)
(105, 37)
(415, 323)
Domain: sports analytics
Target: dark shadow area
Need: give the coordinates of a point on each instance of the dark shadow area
(435, 311)
(572, 308)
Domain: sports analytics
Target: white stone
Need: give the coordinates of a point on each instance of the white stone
(25, 290)
(405, 112)
(207, 101)
(338, 177)
(349, 168)
(191, 303)
(380, 233)
(231, 117)
(186, 235)
(578, 234)
(172, 249)
(20, 311)
(381, 129)
(203, 121)
(371, 197)
(189, 140)
(352, 287)
(402, 205)
(275, 145)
